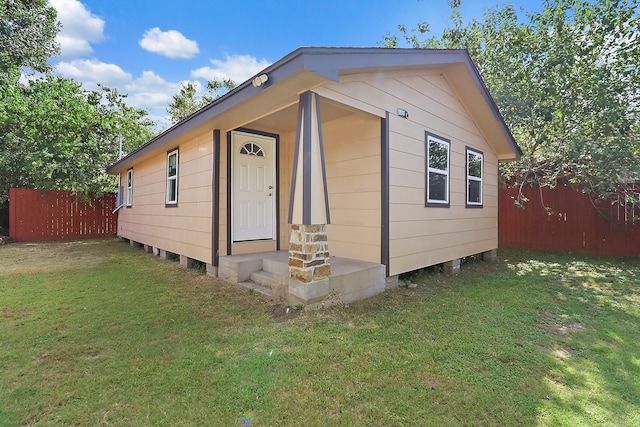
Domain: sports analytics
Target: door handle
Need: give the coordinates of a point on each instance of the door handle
(270, 187)
(269, 194)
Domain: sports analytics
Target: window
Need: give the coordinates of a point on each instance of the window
(252, 149)
(437, 176)
(475, 166)
(129, 199)
(172, 178)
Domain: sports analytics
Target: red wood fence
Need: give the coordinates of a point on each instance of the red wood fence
(571, 223)
(56, 215)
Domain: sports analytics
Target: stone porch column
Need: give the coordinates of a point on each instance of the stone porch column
(309, 267)
(308, 253)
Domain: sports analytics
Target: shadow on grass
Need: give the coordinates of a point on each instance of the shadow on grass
(592, 308)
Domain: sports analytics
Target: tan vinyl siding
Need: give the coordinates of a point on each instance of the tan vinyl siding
(419, 235)
(185, 229)
(287, 144)
(352, 156)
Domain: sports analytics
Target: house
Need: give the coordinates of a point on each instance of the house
(349, 165)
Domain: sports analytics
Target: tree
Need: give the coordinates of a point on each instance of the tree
(53, 134)
(566, 80)
(27, 36)
(56, 136)
(187, 101)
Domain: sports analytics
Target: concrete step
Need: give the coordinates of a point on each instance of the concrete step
(263, 278)
(238, 269)
(256, 287)
(267, 278)
(276, 266)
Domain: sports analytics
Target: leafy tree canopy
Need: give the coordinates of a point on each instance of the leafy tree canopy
(566, 80)
(27, 36)
(187, 101)
(54, 135)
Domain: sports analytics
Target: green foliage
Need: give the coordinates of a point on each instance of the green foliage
(56, 136)
(187, 102)
(53, 134)
(27, 37)
(566, 80)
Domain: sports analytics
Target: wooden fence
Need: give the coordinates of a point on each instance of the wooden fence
(56, 215)
(563, 219)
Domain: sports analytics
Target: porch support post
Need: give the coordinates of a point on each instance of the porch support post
(212, 269)
(308, 201)
(309, 266)
(309, 253)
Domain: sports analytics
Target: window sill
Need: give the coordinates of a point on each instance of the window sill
(437, 205)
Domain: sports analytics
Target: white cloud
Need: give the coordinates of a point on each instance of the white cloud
(169, 43)
(90, 72)
(150, 91)
(80, 28)
(235, 67)
(154, 94)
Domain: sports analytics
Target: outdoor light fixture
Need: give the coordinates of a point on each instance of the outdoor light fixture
(260, 80)
(402, 113)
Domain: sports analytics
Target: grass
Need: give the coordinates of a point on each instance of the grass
(99, 333)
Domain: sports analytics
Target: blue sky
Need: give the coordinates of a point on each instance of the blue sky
(147, 48)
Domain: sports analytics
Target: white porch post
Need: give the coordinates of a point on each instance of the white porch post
(309, 267)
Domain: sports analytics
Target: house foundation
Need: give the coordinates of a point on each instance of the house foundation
(490, 256)
(451, 267)
(212, 270)
(392, 282)
(187, 262)
(166, 255)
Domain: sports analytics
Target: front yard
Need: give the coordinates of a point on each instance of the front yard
(99, 333)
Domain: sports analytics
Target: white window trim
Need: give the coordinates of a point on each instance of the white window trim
(447, 144)
(129, 196)
(473, 178)
(172, 178)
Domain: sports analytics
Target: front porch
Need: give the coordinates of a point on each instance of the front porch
(268, 273)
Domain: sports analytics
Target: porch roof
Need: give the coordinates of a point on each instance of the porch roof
(309, 67)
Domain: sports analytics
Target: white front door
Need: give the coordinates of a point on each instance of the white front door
(253, 183)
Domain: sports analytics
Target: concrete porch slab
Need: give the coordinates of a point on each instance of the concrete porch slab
(351, 280)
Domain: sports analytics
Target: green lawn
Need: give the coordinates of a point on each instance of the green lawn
(99, 333)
